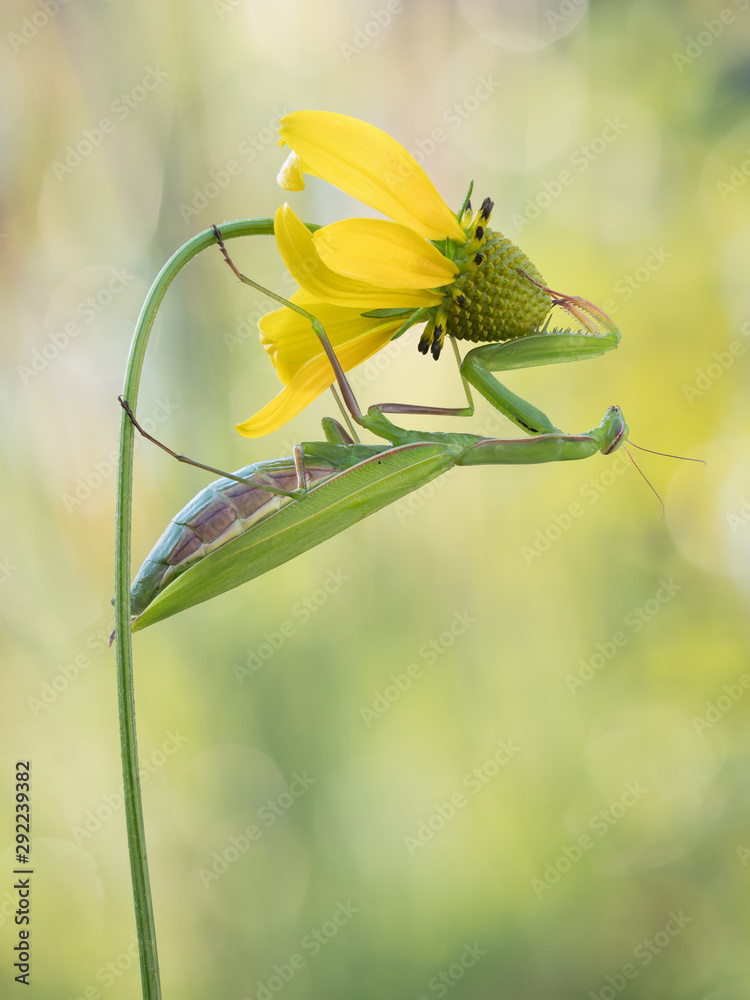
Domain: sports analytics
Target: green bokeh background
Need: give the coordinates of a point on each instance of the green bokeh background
(614, 140)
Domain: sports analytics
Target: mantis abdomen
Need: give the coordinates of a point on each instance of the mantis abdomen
(219, 513)
(231, 533)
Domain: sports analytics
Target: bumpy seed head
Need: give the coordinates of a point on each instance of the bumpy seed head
(498, 294)
(501, 303)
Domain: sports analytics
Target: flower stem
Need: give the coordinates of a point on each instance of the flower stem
(144, 913)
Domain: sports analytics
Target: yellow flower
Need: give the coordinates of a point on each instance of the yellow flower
(367, 279)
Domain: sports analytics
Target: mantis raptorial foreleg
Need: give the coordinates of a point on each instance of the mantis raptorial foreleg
(536, 349)
(528, 352)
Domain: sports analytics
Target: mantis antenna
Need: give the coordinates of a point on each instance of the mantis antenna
(648, 482)
(664, 454)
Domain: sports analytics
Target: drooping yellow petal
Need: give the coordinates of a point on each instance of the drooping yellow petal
(293, 398)
(314, 375)
(291, 176)
(295, 243)
(368, 164)
(291, 341)
(383, 253)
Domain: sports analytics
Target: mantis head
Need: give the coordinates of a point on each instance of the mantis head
(614, 430)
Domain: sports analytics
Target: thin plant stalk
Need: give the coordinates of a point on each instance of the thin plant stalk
(144, 912)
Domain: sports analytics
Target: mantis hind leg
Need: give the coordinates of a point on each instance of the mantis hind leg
(261, 483)
(335, 433)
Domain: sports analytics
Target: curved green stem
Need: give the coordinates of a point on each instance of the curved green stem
(144, 914)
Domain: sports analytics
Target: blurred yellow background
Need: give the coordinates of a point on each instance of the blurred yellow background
(554, 802)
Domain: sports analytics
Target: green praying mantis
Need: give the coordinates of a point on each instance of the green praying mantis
(469, 282)
(259, 517)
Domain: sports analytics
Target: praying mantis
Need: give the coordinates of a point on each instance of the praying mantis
(251, 521)
(372, 279)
